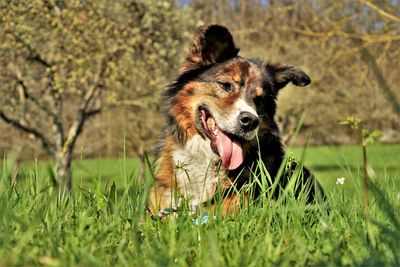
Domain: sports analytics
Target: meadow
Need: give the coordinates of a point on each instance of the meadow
(103, 221)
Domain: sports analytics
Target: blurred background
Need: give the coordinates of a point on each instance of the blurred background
(89, 74)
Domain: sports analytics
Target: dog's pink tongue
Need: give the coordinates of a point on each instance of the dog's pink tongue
(230, 152)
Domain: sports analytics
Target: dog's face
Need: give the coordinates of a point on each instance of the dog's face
(224, 97)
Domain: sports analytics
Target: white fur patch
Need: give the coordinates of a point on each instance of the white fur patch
(242, 106)
(230, 123)
(197, 171)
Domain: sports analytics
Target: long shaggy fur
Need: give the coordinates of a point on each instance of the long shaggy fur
(215, 109)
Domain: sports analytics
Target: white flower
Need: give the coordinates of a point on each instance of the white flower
(340, 180)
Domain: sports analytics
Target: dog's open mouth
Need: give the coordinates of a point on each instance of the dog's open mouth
(229, 150)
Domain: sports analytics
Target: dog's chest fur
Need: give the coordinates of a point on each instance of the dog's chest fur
(197, 170)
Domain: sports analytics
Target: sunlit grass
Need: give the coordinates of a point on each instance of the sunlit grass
(105, 223)
(330, 162)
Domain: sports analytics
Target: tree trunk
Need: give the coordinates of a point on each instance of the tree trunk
(63, 170)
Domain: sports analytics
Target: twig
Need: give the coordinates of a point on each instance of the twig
(371, 62)
(380, 11)
(47, 145)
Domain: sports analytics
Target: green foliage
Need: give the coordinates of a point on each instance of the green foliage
(366, 136)
(106, 225)
(54, 52)
(143, 43)
(74, 36)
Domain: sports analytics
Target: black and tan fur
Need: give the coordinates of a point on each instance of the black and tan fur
(216, 82)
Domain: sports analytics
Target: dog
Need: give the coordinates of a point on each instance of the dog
(220, 113)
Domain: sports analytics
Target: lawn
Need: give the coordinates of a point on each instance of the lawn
(103, 223)
(326, 162)
(330, 162)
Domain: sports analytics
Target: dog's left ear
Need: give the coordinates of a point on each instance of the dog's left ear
(282, 74)
(211, 44)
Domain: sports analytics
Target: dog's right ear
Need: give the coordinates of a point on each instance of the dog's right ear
(211, 44)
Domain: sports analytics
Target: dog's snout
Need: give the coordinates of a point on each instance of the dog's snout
(248, 121)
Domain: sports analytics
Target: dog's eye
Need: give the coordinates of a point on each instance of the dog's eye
(226, 86)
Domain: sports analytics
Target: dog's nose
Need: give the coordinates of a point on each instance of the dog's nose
(248, 121)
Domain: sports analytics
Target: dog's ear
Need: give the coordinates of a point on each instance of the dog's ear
(211, 44)
(282, 74)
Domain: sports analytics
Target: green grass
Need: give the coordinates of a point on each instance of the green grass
(104, 224)
(87, 172)
(330, 162)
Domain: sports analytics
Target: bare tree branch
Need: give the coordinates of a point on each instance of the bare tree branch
(85, 111)
(376, 70)
(57, 104)
(74, 131)
(34, 55)
(91, 92)
(47, 145)
(332, 33)
(57, 120)
(28, 96)
(142, 103)
(55, 114)
(380, 11)
(93, 112)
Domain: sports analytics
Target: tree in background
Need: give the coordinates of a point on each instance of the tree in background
(317, 35)
(141, 44)
(65, 61)
(358, 43)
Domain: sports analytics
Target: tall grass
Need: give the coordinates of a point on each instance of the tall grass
(105, 225)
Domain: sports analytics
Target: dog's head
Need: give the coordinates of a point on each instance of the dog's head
(224, 97)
